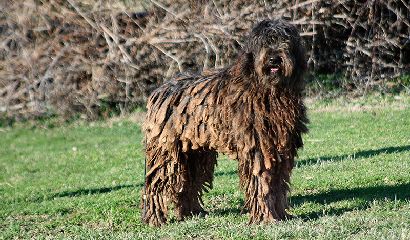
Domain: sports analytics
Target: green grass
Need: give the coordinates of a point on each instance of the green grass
(83, 180)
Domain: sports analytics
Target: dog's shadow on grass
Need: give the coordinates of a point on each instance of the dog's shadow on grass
(226, 173)
(363, 197)
(357, 155)
(93, 191)
(228, 211)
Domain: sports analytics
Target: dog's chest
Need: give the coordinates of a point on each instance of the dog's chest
(260, 120)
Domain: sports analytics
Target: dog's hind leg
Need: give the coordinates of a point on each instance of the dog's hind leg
(198, 169)
(178, 178)
(154, 196)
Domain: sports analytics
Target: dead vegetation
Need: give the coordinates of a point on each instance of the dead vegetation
(94, 58)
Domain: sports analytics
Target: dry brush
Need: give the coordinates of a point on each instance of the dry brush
(65, 58)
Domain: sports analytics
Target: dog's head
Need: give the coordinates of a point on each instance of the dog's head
(276, 53)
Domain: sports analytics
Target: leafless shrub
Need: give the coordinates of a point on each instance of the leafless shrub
(67, 58)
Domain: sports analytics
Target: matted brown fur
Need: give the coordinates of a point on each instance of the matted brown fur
(252, 111)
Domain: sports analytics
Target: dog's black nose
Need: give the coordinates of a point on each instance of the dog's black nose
(275, 60)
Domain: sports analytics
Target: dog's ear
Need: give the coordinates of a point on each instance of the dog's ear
(301, 63)
(244, 65)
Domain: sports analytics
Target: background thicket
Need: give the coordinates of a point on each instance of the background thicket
(96, 58)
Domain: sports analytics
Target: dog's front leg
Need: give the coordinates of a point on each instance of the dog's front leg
(266, 188)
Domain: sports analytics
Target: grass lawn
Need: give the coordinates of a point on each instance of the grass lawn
(83, 180)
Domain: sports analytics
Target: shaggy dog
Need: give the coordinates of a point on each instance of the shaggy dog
(252, 111)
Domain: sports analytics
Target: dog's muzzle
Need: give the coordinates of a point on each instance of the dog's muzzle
(274, 65)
